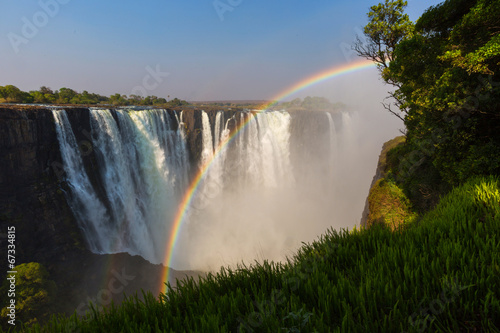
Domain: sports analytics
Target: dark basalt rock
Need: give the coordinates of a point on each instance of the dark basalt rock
(31, 198)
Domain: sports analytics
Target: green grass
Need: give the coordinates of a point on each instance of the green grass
(440, 272)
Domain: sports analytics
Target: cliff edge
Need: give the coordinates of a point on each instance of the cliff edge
(384, 198)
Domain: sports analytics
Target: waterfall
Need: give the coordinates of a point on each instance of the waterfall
(333, 151)
(253, 198)
(274, 136)
(219, 120)
(260, 155)
(237, 193)
(217, 172)
(142, 165)
(90, 213)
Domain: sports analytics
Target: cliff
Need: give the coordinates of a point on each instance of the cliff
(30, 196)
(32, 199)
(376, 210)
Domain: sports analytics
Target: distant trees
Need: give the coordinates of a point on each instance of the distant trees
(12, 94)
(66, 96)
(178, 102)
(45, 95)
(311, 104)
(118, 99)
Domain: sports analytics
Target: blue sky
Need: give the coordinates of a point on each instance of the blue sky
(247, 49)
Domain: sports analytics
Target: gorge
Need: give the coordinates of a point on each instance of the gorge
(82, 184)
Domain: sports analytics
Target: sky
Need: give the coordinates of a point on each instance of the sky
(201, 50)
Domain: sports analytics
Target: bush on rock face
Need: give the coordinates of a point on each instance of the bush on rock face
(34, 294)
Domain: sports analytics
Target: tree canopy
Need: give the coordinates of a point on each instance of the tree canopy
(446, 70)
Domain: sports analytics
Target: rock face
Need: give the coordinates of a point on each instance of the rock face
(30, 198)
(380, 173)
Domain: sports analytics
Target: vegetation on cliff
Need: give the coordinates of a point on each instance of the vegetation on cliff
(33, 292)
(445, 71)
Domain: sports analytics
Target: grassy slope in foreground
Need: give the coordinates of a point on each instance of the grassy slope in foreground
(439, 273)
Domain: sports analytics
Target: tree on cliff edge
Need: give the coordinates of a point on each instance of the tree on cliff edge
(388, 25)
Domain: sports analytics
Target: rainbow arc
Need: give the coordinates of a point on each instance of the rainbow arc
(191, 190)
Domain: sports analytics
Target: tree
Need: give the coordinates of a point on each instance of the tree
(44, 95)
(46, 90)
(65, 95)
(11, 94)
(118, 99)
(388, 25)
(447, 74)
(160, 101)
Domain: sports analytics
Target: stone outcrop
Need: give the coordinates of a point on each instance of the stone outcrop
(31, 199)
(379, 173)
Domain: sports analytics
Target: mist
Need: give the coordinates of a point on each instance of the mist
(331, 172)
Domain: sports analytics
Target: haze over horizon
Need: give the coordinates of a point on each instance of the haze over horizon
(214, 50)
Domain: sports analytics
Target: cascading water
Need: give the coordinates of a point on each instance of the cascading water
(333, 151)
(90, 213)
(142, 166)
(244, 215)
(253, 201)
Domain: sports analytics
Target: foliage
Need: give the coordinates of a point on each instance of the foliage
(439, 273)
(12, 94)
(45, 95)
(389, 205)
(440, 18)
(388, 25)
(446, 72)
(34, 294)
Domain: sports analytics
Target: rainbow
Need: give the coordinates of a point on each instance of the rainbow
(191, 191)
